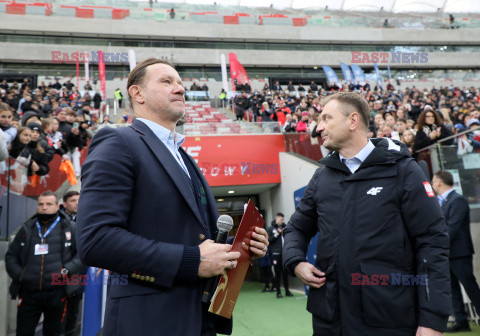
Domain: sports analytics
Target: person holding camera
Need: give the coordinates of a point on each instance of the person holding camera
(276, 240)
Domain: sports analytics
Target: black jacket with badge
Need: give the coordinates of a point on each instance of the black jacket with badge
(382, 220)
(275, 238)
(18, 254)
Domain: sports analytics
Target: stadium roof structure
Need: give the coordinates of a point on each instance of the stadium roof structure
(396, 6)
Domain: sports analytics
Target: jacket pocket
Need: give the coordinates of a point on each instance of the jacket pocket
(322, 302)
(385, 304)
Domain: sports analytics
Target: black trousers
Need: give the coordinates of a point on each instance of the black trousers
(279, 273)
(267, 275)
(73, 308)
(461, 271)
(51, 303)
(326, 328)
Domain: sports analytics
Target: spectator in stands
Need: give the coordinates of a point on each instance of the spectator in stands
(408, 138)
(241, 105)
(88, 87)
(69, 85)
(41, 152)
(400, 127)
(8, 129)
(194, 87)
(430, 130)
(290, 125)
(42, 254)
(56, 85)
(30, 117)
(70, 134)
(290, 86)
(18, 144)
(4, 85)
(55, 138)
(302, 125)
(300, 88)
(106, 120)
(313, 86)
(276, 86)
(280, 112)
(172, 13)
(97, 100)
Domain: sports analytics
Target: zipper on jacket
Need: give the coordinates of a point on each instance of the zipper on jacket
(425, 267)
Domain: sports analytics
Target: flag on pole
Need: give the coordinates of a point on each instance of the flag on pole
(237, 71)
(132, 60)
(223, 65)
(87, 72)
(379, 77)
(101, 73)
(331, 75)
(93, 302)
(358, 74)
(77, 66)
(347, 73)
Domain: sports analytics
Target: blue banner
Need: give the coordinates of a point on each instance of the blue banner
(312, 247)
(379, 77)
(347, 73)
(331, 75)
(93, 301)
(358, 74)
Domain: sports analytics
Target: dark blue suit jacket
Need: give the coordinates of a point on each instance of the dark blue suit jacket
(457, 215)
(137, 216)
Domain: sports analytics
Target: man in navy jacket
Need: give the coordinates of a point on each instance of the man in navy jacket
(382, 251)
(457, 215)
(147, 211)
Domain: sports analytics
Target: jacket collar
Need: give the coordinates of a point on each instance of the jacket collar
(387, 151)
(170, 165)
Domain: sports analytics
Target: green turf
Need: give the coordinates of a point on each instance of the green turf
(262, 314)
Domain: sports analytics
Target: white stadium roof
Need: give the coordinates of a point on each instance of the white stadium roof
(448, 6)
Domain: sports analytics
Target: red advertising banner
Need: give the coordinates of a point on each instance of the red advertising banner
(237, 160)
(101, 73)
(237, 71)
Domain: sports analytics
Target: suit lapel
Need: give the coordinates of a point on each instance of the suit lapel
(168, 162)
(212, 205)
(448, 199)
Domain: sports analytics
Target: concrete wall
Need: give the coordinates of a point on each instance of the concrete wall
(296, 173)
(210, 31)
(42, 53)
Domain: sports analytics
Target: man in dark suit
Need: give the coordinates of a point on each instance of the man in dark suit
(457, 215)
(146, 211)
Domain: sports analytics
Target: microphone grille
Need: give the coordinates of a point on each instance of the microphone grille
(225, 223)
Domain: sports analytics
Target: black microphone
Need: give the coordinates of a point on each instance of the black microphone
(224, 225)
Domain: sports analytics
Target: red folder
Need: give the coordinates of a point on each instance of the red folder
(231, 281)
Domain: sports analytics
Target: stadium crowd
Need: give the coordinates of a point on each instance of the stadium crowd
(38, 123)
(417, 118)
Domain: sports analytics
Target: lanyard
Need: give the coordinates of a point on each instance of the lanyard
(42, 237)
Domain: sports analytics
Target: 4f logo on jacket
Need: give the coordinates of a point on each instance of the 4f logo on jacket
(374, 191)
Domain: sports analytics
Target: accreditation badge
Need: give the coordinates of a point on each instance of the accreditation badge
(41, 249)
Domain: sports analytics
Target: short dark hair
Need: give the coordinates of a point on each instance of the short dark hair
(352, 99)
(279, 214)
(138, 73)
(69, 194)
(445, 176)
(48, 193)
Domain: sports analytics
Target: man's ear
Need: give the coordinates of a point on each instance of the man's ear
(136, 93)
(354, 121)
